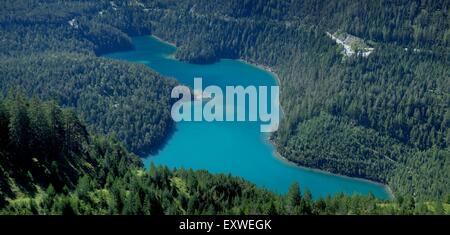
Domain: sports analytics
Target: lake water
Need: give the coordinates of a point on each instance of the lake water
(237, 148)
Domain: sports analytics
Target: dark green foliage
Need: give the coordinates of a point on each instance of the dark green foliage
(75, 26)
(294, 199)
(48, 50)
(385, 117)
(347, 149)
(366, 117)
(197, 51)
(94, 175)
(127, 100)
(197, 192)
(426, 174)
(418, 23)
(46, 145)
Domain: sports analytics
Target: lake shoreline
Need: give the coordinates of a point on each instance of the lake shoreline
(164, 41)
(291, 163)
(283, 159)
(266, 68)
(269, 140)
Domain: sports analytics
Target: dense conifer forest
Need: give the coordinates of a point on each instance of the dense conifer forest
(383, 117)
(86, 174)
(127, 100)
(51, 51)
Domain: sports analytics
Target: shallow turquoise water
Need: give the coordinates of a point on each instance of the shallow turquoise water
(237, 148)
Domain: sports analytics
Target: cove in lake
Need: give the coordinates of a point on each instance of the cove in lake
(236, 148)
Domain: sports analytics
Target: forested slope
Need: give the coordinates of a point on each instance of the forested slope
(49, 49)
(377, 117)
(50, 164)
(383, 117)
(43, 144)
(127, 100)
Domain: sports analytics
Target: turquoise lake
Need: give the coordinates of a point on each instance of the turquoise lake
(236, 148)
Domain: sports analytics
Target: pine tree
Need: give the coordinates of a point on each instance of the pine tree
(84, 187)
(193, 204)
(57, 135)
(66, 206)
(48, 200)
(19, 124)
(4, 127)
(438, 208)
(272, 210)
(306, 203)
(294, 199)
(39, 128)
(75, 131)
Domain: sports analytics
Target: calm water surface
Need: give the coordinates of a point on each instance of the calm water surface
(237, 148)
